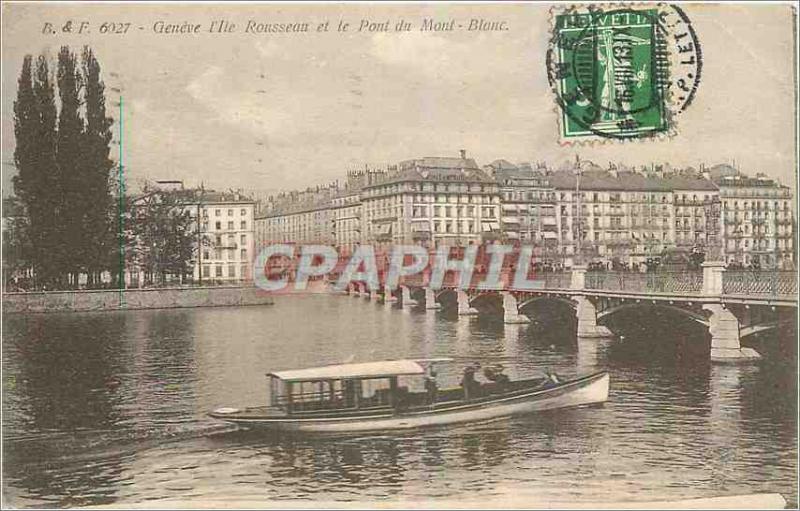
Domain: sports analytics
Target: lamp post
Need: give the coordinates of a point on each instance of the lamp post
(120, 190)
(578, 217)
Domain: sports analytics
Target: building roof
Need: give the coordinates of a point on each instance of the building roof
(721, 170)
(440, 162)
(747, 181)
(211, 196)
(519, 173)
(690, 183)
(501, 164)
(363, 370)
(627, 181)
(199, 196)
(435, 169)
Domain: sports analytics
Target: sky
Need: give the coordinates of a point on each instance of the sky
(279, 111)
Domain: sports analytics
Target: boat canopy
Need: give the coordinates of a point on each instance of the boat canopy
(363, 370)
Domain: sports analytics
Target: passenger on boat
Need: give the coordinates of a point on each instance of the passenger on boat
(495, 375)
(552, 378)
(469, 383)
(432, 387)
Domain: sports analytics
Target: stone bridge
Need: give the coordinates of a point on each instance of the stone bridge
(731, 304)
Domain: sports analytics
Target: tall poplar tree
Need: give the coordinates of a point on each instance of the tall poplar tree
(25, 127)
(74, 240)
(101, 214)
(37, 183)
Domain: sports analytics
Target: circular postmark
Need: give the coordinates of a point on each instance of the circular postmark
(622, 73)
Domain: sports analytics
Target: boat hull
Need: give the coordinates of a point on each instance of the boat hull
(591, 389)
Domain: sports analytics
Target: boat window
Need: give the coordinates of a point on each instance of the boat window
(376, 392)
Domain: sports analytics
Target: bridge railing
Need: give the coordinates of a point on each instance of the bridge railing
(657, 282)
(760, 283)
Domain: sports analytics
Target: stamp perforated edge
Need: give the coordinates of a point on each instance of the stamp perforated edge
(672, 112)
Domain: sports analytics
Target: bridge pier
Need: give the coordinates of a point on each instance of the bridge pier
(511, 313)
(587, 320)
(430, 300)
(388, 297)
(464, 308)
(407, 300)
(723, 326)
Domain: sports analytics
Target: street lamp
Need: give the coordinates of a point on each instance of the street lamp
(120, 191)
(578, 215)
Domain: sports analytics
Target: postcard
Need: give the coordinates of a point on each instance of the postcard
(408, 255)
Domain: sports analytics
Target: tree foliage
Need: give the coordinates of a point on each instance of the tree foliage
(163, 235)
(63, 169)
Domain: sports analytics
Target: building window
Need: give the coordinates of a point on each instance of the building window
(218, 240)
(217, 212)
(206, 271)
(218, 271)
(243, 212)
(205, 212)
(230, 212)
(206, 254)
(243, 239)
(218, 225)
(230, 226)
(231, 271)
(243, 254)
(243, 225)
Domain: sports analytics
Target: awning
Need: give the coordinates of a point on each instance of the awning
(490, 226)
(364, 370)
(383, 229)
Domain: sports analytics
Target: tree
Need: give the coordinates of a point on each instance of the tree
(37, 183)
(63, 164)
(163, 235)
(16, 245)
(73, 174)
(99, 222)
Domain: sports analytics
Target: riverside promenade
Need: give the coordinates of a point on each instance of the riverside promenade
(134, 299)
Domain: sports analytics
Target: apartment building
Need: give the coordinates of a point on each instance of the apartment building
(528, 209)
(227, 225)
(605, 214)
(757, 218)
(432, 201)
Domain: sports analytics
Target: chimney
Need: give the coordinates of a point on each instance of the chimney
(463, 154)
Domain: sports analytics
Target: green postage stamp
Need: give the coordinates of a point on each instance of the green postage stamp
(622, 73)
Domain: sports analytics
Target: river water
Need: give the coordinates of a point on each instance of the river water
(109, 408)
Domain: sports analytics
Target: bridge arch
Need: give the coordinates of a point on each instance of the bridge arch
(694, 316)
(757, 329)
(484, 295)
(487, 301)
(560, 299)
